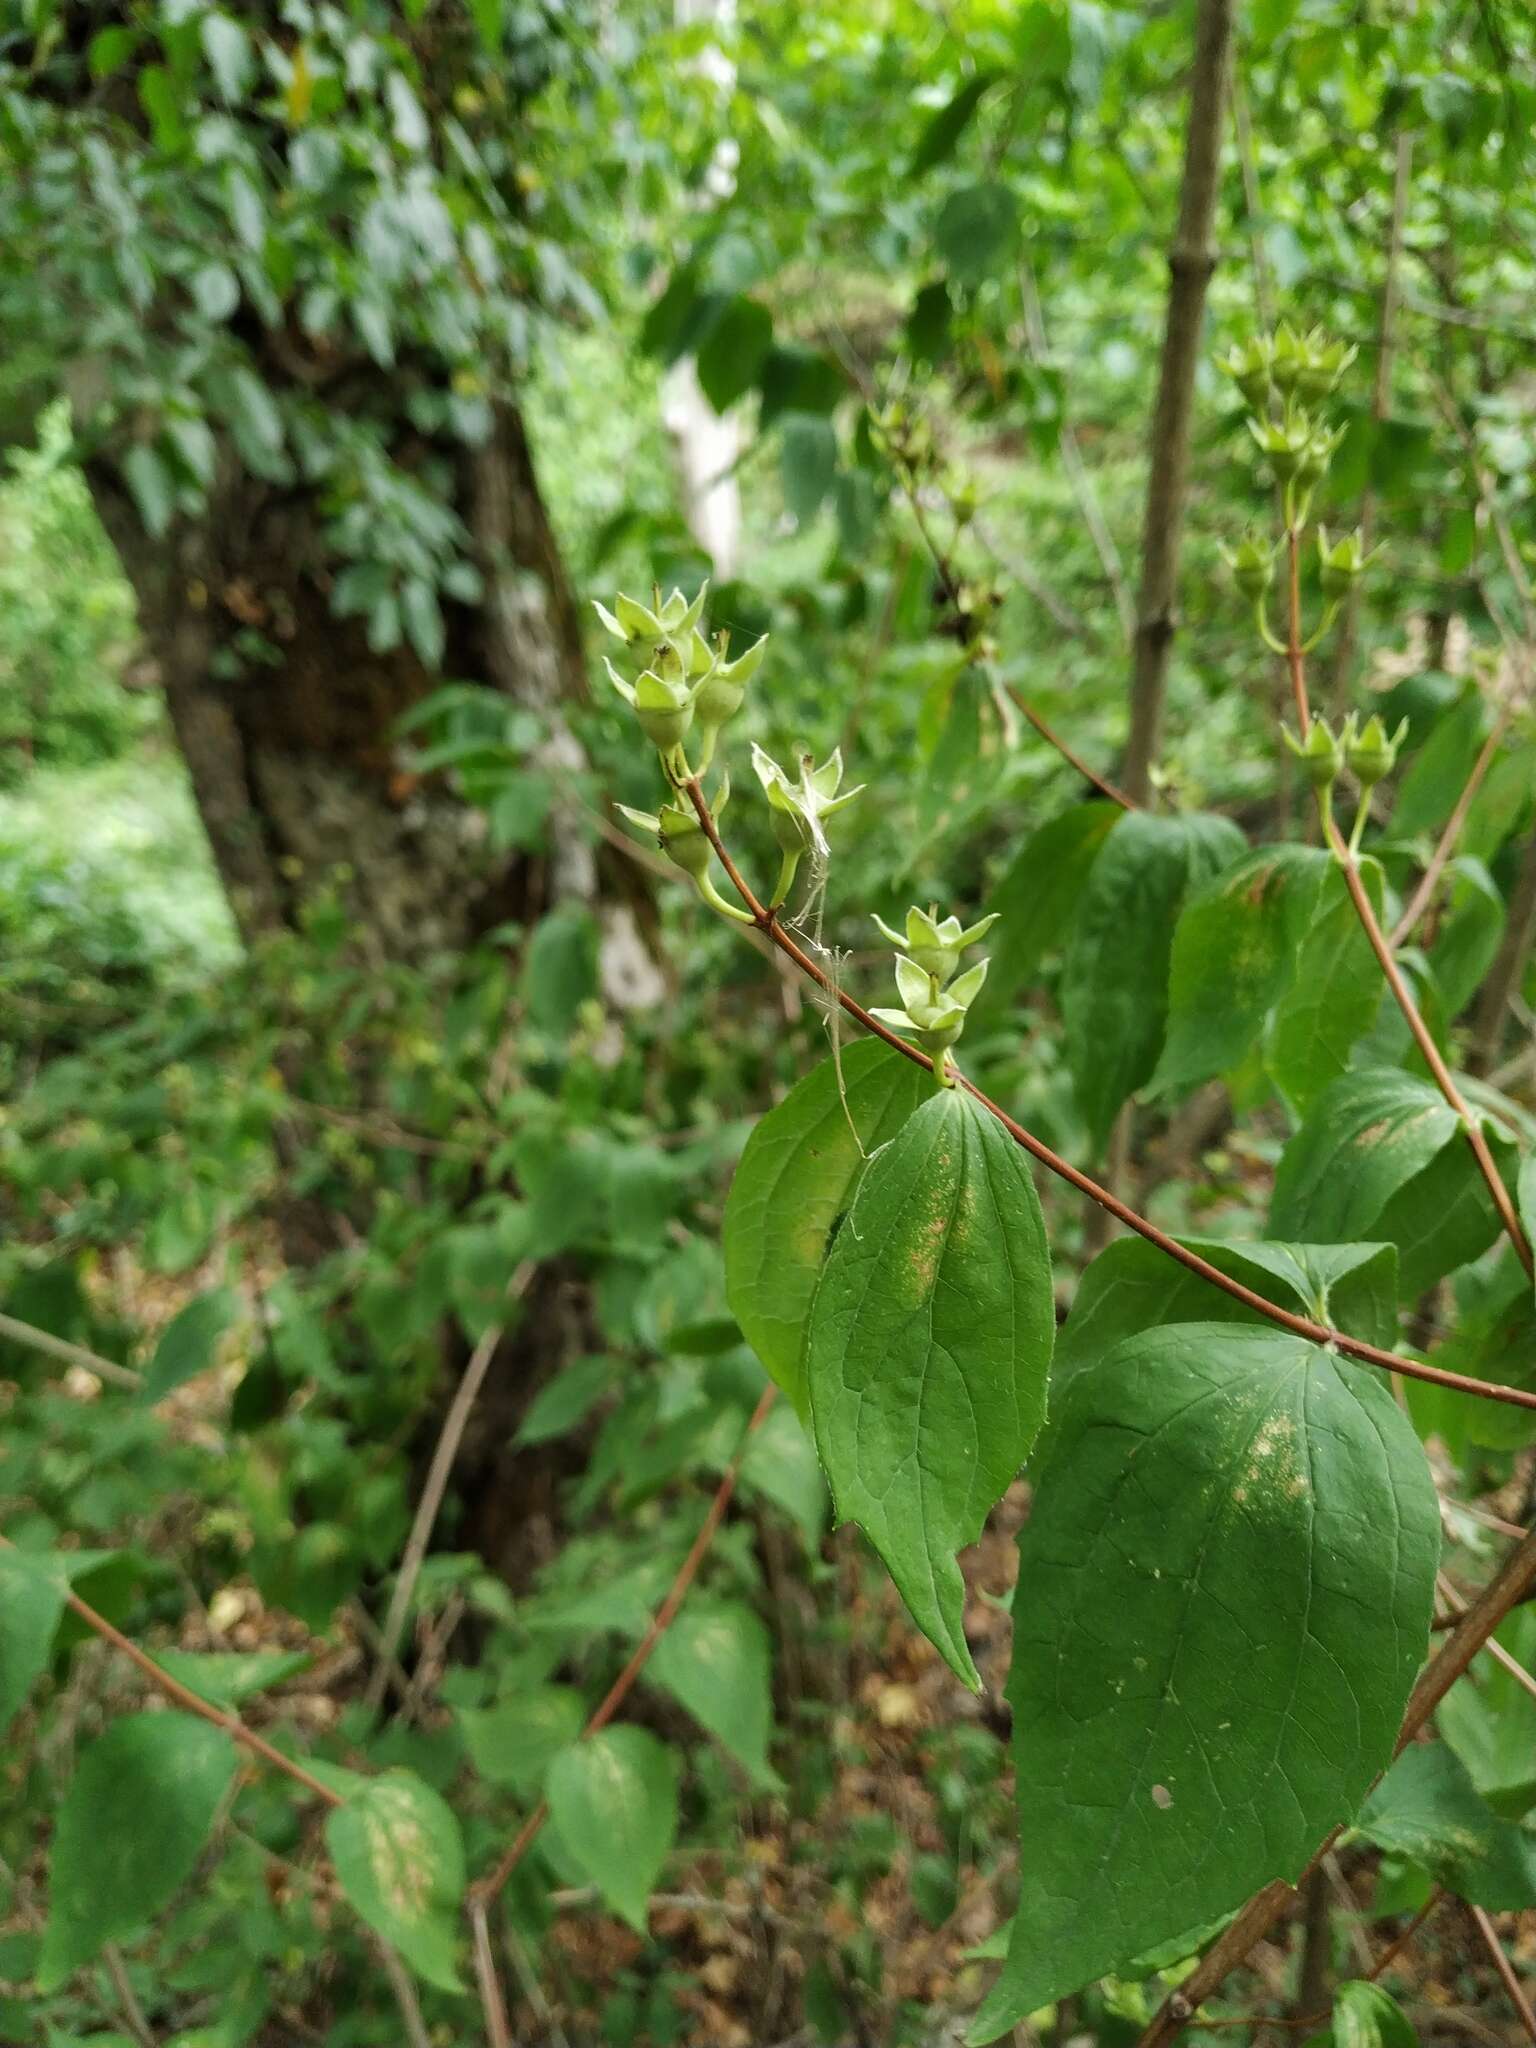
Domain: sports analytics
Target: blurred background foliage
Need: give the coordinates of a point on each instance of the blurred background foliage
(279, 285)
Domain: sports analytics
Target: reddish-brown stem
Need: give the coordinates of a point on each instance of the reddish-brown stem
(950, 581)
(1419, 903)
(1506, 1970)
(1312, 2020)
(493, 2008)
(487, 1888)
(1101, 783)
(185, 1697)
(1445, 1080)
(1493, 1646)
(1299, 1325)
(1232, 1946)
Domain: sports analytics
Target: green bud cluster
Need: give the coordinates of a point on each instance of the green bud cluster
(679, 833)
(1252, 563)
(686, 688)
(1321, 753)
(1368, 751)
(1307, 365)
(685, 683)
(935, 998)
(1298, 448)
(1370, 754)
(1286, 366)
(1343, 562)
(796, 809)
(1280, 376)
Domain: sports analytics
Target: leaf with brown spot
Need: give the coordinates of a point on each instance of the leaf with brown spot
(927, 1351)
(1223, 1599)
(1380, 1155)
(400, 1860)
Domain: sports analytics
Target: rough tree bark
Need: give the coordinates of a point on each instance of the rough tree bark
(1190, 262)
(294, 761)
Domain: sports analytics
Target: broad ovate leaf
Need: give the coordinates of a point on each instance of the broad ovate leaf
(137, 1813)
(32, 1592)
(793, 1183)
(1334, 994)
(614, 1800)
(1133, 1285)
(1036, 897)
(190, 1341)
(717, 1661)
(1224, 1595)
(1427, 1808)
(1114, 990)
(514, 1741)
(928, 1348)
(1381, 1155)
(1234, 952)
(400, 1860)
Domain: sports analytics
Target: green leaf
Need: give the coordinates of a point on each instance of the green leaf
(1133, 1286)
(1494, 1338)
(1037, 895)
(1334, 995)
(1445, 1217)
(32, 1590)
(567, 1400)
(976, 230)
(937, 142)
(1234, 952)
(1114, 992)
(514, 1742)
(1428, 1808)
(732, 354)
(109, 50)
(928, 1347)
(135, 1817)
(614, 1800)
(189, 1341)
(228, 50)
(255, 422)
(1380, 1154)
(794, 1180)
(148, 477)
(560, 967)
(226, 1677)
(1178, 1743)
(717, 1661)
(161, 99)
(1489, 1719)
(490, 21)
(1469, 934)
(1438, 772)
(400, 1861)
(423, 619)
(1365, 2016)
(808, 463)
(780, 1462)
(1527, 1195)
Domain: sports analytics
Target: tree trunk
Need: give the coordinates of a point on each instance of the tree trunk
(287, 718)
(1190, 262)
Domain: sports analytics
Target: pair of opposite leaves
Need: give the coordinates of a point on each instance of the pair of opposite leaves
(1226, 1579)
